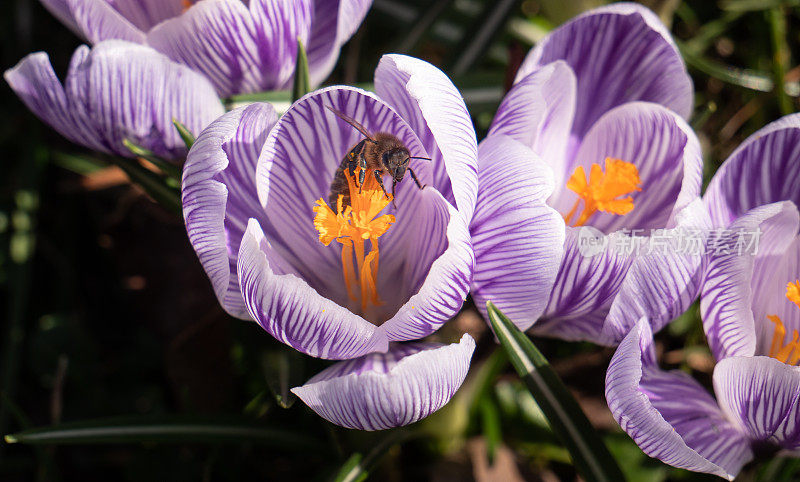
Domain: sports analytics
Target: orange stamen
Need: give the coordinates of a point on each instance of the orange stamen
(186, 4)
(789, 353)
(602, 190)
(793, 292)
(351, 227)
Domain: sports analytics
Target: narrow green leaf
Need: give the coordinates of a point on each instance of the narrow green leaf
(145, 430)
(166, 167)
(283, 369)
(755, 5)
(780, 57)
(156, 186)
(490, 421)
(589, 454)
(358, 466)
(185, 133)
(302, 82)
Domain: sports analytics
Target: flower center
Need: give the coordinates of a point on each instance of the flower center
(602, 190)
(790, 352)
(351, 226)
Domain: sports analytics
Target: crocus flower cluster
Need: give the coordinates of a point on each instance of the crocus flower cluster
(239, 46)
(587, 159)
(751, 316)
(156, 61)
(255, 191)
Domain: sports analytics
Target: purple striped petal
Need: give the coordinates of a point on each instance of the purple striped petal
(663, 148)
(335, 21)
(94, 20)
(619, 53)
(426, 98)
(665, 279)
(736, 271)
(518, 239)
(292, 311)
(298, 164)
(538, 112)
(591, 273)
(669, 415)
(117, 91)
(380, 391)
(239, 49)
(219, 195)
(435, 272)
(146, 14)
(761, 394)
(763, 170)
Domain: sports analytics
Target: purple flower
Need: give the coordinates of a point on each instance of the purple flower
(241, 46)
(254, 197)
(591, 133)
(116, 91)
(751, 316)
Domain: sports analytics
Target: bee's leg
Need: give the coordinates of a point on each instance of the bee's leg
(394, 183)
(357, 159)
(414, 177)
(378, 177)
(362, 174)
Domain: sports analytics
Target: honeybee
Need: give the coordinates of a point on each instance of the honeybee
(377, 153)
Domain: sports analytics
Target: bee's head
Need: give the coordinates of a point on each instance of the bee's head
(396, 162)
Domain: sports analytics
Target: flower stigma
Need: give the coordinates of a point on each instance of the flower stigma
(351, 226)
(790, 352)
(603, 189)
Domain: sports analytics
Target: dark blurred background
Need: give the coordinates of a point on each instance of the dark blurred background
(107, 313)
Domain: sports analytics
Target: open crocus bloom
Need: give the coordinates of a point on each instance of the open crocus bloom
(751, 316)
(600, 103)
(254, 197)
(116, 91)
(241, 46)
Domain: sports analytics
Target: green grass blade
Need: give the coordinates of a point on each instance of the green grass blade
(589, 454)
(146, 430)
(302, 79)
(358, 466)
(185, 133)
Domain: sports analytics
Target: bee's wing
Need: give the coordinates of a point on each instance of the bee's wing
(352, 122)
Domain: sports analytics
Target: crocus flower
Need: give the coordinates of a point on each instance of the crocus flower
(600, 102)
(117, 91)
(345, 281)
(241, 46)
(751, 316)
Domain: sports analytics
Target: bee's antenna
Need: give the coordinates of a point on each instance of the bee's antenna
(423, 158)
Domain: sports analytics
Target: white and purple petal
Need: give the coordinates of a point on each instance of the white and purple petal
(293, 312)
(590, 276)
(518, 239)
(665, 278)
(538, 112)
(219, 195)
(619, 53)
(430, 269)
(762, 395)
(239, 49)
(335, 21)
(429, 102)
(763, 170)
(669, 415)
(385, 390)
(94, 20)
(118, 91)
(742, 269)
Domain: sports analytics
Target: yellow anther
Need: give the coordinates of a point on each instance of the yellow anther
(351, 227)
(602, 190)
